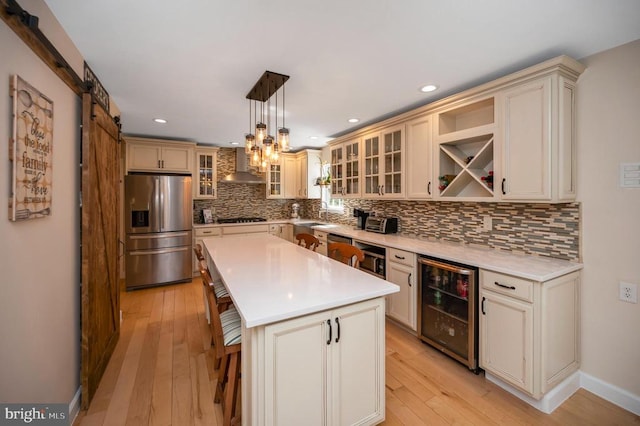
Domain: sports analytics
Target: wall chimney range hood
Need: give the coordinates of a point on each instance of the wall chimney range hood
(242, 175)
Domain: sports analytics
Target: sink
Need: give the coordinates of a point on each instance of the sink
(308, 227)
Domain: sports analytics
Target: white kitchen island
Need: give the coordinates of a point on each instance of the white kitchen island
(313, 332)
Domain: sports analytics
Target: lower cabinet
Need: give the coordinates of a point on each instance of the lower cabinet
(321, 369)
(199, 234)
(529, 331)
(401, 270)
(282, 230)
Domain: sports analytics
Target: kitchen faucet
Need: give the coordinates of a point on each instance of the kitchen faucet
(326, 211)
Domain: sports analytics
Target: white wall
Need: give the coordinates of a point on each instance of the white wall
(40, 259)
(608, 131)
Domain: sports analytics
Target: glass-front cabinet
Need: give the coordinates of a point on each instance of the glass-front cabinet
(274, 181)
(384, 163)
(345, 169)
(205, 176)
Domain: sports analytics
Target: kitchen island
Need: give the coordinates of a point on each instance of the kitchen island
(312, 332)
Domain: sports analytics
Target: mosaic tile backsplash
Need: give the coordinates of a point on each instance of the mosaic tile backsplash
(551, 230)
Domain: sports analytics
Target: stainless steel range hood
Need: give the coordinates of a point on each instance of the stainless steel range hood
(242, 175)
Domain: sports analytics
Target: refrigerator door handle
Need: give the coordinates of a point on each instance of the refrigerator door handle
(159, 251)
(158, 236)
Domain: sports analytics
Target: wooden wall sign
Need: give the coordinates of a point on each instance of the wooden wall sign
(30, 151)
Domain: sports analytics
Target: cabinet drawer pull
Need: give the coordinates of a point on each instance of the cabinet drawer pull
(509, 287)
(482, 306)
(207, 232)
(399, 257)
(338, 324)
(503, 191)
(329, 339)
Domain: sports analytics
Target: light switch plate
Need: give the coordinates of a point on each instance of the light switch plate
(630, 175)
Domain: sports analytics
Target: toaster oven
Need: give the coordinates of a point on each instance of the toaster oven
(382, 225)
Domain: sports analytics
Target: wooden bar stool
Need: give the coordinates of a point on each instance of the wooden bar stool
(345, 253)
(310, 241)
(226, 330)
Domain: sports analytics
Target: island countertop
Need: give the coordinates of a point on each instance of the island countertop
(270, 279)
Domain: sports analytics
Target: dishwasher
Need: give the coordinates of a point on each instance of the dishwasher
(447, 312)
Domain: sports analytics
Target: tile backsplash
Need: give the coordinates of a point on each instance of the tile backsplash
(551, 230)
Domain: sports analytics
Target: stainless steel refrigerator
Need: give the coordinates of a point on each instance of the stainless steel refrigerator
(158, 223)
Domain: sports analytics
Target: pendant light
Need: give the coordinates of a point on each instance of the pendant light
(263, 148)
(249, 139)
(283, 132)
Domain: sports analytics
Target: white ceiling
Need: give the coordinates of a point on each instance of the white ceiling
(192, 62)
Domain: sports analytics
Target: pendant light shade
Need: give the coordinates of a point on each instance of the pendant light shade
(283, 139)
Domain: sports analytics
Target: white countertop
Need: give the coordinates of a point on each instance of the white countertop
(536, 268)
(270, 279)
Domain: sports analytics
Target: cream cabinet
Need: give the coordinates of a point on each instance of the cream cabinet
(275, 183)
(205, 177)
(322, 245)
(291, 183)
(346, 169)
(465, 151)
(419, 176)
(529, 331)
(331, 363)
(401, 270)
(309, 169)
(539, 154)
(383, 162)
(282, 230)
(198, 234)
(154, 155)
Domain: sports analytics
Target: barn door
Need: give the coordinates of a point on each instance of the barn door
(100, 289)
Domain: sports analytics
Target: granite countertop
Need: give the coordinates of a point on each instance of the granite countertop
(536, 268)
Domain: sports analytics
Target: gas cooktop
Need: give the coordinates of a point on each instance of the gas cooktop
(242, 220)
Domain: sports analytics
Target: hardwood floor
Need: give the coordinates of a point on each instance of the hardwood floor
(162, 373)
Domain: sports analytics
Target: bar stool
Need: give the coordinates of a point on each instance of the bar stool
(310, 241)
(226, 328)
(345, 253)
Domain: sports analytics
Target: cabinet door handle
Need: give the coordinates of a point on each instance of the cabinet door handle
(399, 257)
(338, 324)
(409, 278)
(503, 182)
(329, 339)
(159, 164)
(509, 287)
(482, 306)
(429, 188)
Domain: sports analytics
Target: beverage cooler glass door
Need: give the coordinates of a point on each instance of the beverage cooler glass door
(447, 315)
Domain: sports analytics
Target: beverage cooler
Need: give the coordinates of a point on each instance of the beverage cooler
(447, 314)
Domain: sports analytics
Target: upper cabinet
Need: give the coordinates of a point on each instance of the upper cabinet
(539, 151)
(295, 176)
(383, 159)
(154, 155)
(511, 139)
(465, 138)
(204, 174)
(345, 169)
(419, 176)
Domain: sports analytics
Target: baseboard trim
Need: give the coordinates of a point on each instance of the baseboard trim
(74, 406)
(551, 400)
(611, 393)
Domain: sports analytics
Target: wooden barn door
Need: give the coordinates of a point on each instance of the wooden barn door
(100, 277)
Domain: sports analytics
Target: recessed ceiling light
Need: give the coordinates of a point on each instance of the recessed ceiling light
(234, 143)
(428, 88)
(353, 120)
(313, 137)
(160, 120)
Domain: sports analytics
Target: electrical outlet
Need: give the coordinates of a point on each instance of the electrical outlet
(628, 292)
(487, 223)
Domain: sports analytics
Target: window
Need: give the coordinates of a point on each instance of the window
(328, 203)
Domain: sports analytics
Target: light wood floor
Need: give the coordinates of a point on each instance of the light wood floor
(161, 373)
